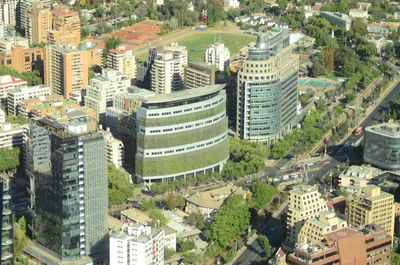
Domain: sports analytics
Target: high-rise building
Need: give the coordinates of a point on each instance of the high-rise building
(181, 134)
(315, 228)
(123, 61)
(305, 202)
(366, 245)
(374, 207)
(137, 244)
(68, 174)
(199, 75)
(24, 16)
(115, 149)
(16, 96)
(102, 89)
(380, 145)
(8, 12)
(267, 89)
(218, 55)
(66, 26)
(6, 223)
(40, 23)
(66, 68)
(167, 68)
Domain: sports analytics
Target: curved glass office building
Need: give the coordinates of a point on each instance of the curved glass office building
(267, 89)
(382, 145)
(181, 134)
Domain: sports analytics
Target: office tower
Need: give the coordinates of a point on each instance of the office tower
(199, 75)
(218, 55)
(66, 68)
(137, 244)
(380, 145)
(181, 134)
(102, 89)
(305, 202)
(167, 66)
(66, 26)
(17, 95)
(267, 89)
(40, 23)
(6, 222)
(374, 207)
(67, 161)
(367, 245)
(315, 228)
(8, 12)
(123, 61)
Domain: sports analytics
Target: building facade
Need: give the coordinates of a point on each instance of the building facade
(337, 19)
(8, 83)
(381, 145)
(123, 61)
(181, 134)
(199, 75)
(218, 55)
(115, 150)
(11, 135)
(66, 68)
(16, 96)
(374, 207)
(137, 244)
(305, 202)
(68, 175)
(66, 26)
(8, 12)
(6, 221)
(40, 23)
(23, 59)
(267, 89)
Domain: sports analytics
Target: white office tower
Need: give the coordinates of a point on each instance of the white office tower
(8, 12)
(102, 89)
(137, 244)
(17, 95)
(217, 54)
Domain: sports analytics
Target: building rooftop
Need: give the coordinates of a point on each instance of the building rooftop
(114, 223)
(388, 129)
(374, 193)
(303, 189)
(8, 79)
(136, 215)
(341, 234)
(213, 199)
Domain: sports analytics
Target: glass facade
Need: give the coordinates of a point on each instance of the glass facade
(6, 247)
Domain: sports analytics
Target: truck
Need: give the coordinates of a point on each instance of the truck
(358, 131)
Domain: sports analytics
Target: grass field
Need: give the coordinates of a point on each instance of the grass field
(198, 42)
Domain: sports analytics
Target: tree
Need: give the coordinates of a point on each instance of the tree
(173, 23)
(33, 78)
(215, 11)
(186, 245)
(359, 27)
(157, 217)
(9, 158)
(112, 43)
(119, 187)
(174, 200)
(148, 204)
(19, 119)
(268, 249)
(196, 219)
(22, 224)
(262, 195)
(168, 253)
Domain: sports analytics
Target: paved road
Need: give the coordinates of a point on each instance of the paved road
(274, 228)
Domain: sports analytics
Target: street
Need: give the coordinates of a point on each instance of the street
(274, 229)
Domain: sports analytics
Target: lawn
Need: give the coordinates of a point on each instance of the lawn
(199, 42)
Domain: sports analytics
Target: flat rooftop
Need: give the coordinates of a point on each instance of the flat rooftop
(341, 234)
(213, 199)
(389, 129)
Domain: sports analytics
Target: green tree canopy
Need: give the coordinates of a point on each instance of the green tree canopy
(33, 78)
(262, 195)
(19, 119)
(157, 217)
(119, 187)
(268, 249)
(9, 158)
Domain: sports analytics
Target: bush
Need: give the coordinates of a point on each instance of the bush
(186, 245)
(148, 204)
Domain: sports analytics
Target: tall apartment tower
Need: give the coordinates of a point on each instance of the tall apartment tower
(374, 207)
(6, 223)
(267, 89)
(66, 68)
(40, 19)
(167, 68)
(199, 74)
(123, 61)
(305, 202)
(66, 26)
(68, 175)
(218, 55)
(24, 15)
(8, 12)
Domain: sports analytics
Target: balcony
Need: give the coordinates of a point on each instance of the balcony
(6, 242)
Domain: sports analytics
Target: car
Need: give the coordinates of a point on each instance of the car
(323, 164)
(310, 164)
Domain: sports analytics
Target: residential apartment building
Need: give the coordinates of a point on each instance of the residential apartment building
(337, 19)
(199, 75)
(218, 55)
(314, 229)
(24, 16)
(102, 89)
(355, 178)
(6, 221)
(123, 61)
(164, 150)
(267, 89)
(40, 23)
(232, 3)
(8, 12)
(8, 83)
(17, 95)
(8, 42)
(115, 150)
(23, 59)
(358, 13)
(55, 109)
(372, 206)
(167, 66)
(67, 161)
(11, 135)
(66, 68)
(66, 26)
(367, 245)
(381, 145)
(137, 244)
(305, 202)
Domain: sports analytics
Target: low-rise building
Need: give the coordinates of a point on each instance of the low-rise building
(11, 135)
(60, 109)
(8, 83)
(358, 13)
(177, 223)
(379, 41)
(135, 216)
(375, 30)
(208, 202)
(137, 244)
(16, 96)
(357, 177)
(337, 19)
(232, 3)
